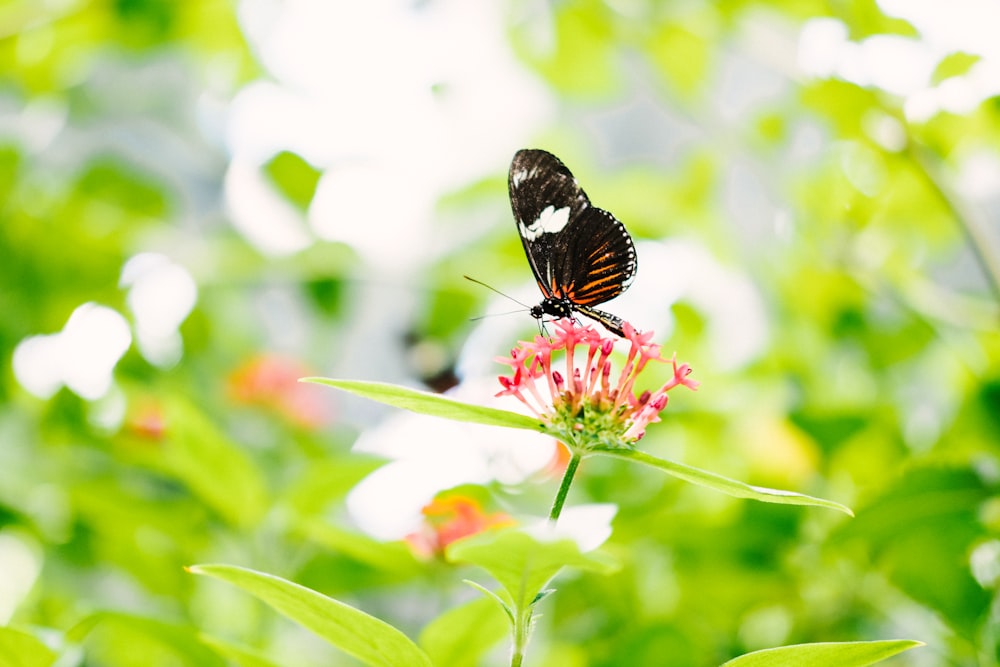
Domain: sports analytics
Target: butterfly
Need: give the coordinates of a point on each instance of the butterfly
(581, 255)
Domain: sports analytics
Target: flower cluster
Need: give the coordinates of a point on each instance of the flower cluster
(583, 403)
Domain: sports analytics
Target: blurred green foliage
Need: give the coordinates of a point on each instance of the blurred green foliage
(295, 177)
(879, 385)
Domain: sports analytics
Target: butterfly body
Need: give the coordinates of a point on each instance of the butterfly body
(558, 308)
(580, 255)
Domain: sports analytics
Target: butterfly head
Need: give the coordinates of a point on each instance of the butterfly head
(553, 307)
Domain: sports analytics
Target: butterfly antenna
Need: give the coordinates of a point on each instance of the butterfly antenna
(494, 289)
(483, 317)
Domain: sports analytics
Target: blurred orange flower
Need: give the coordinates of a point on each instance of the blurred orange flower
(556, 467)
(449, 519)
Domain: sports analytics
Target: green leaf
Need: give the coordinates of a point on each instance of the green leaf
(935, 511)
(724, 484)
(954, 64)
(522, 564)
(294, 177)
(581, 58)
(490, 595)
(391, 557)
(19, 649)
(240, 655)
(865, 18)
(460, 636)
(327, 481)
(432, 404)
(370, 640)
(844, 104)
(683, 56)
(841, 654)
(125, 187)
(157, 642)
(196, 452)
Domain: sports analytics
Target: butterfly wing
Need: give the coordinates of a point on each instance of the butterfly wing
(545, 198)
(598, 261)
(575, 250)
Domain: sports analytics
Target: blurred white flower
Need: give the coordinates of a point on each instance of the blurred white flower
(82, 356)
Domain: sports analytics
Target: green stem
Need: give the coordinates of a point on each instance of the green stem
(969, 219)
(522, 622)
(567, 480)
(522, 609)
(522, 628)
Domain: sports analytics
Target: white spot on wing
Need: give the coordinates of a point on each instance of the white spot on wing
(519, 176)
(550, 221)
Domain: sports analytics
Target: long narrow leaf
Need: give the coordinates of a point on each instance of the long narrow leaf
(19, 649)
(839, 654)
(237, 655)
(365, 637)
(431, 404)
(180, 642)
(726, 485)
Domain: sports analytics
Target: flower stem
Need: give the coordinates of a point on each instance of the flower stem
(567, 480)
(518, 656)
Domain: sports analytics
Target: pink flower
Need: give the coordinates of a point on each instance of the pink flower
(147, 421)
(272, 381)
(581, 399)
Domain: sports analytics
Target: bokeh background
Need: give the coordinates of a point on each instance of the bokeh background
(201, 202)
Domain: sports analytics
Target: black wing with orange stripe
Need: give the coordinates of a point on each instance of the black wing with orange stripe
(580, 255)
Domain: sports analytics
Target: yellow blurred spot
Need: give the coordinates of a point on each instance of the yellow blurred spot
(778, 452)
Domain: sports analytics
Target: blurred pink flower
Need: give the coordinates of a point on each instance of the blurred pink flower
(146, 420)
(272, 381)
